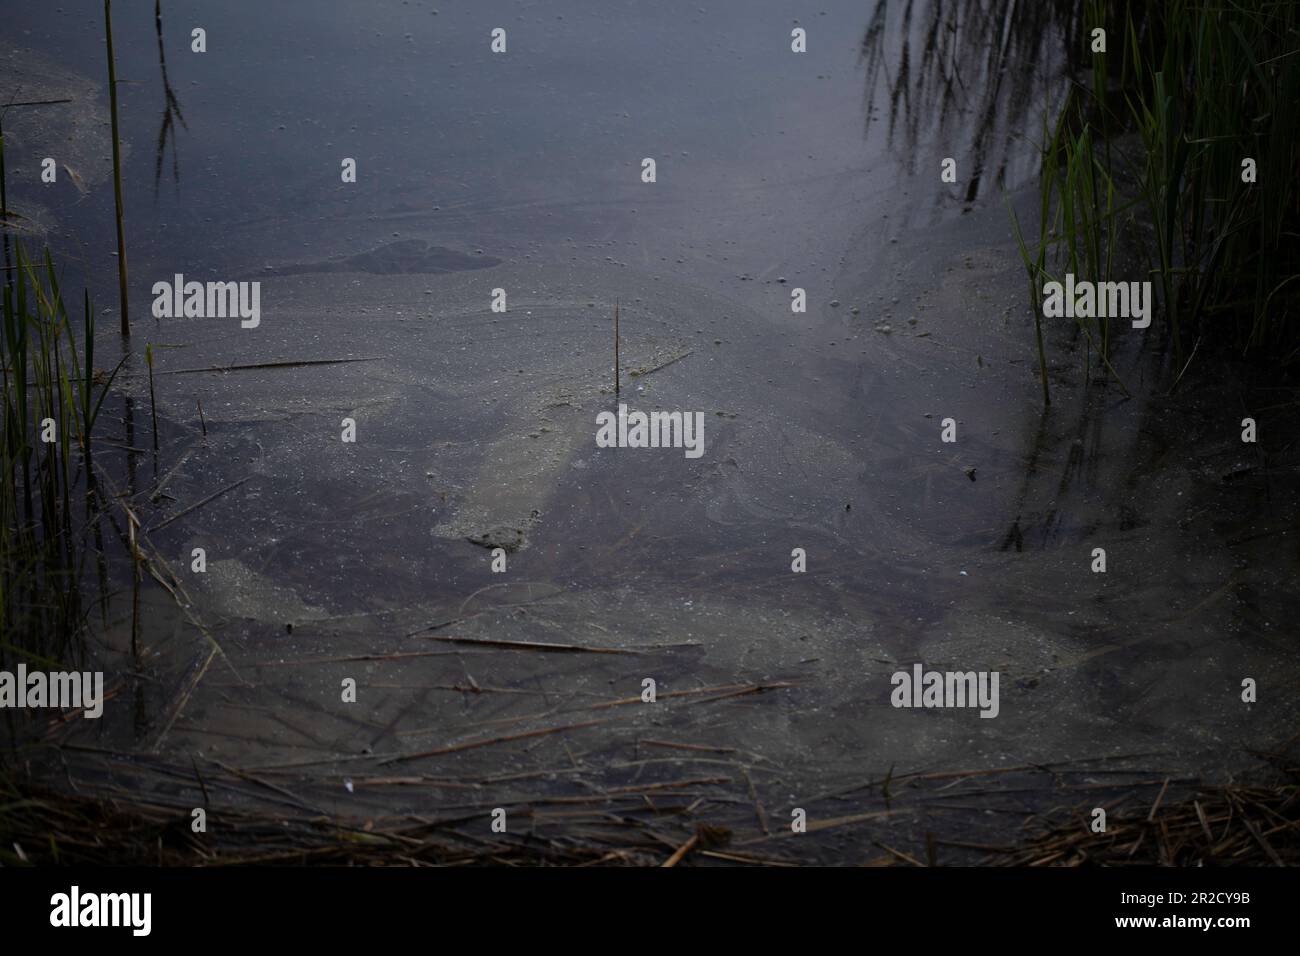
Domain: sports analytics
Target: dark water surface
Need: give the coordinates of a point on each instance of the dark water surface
(522, 171)
(537, 150)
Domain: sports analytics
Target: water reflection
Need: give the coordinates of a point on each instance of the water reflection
(171, 110)
(965, 75)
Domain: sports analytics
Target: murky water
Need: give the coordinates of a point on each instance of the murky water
(328, 560)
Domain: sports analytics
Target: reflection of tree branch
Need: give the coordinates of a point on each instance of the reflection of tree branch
(171, 111)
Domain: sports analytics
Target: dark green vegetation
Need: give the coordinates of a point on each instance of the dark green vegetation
(1145, 166)
(52, 396)
(50, 403)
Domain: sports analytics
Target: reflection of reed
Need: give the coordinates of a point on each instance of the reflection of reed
(171, 109)
(967, 71)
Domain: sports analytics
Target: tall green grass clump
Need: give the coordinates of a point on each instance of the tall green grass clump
(1146, 169)
(49, 402)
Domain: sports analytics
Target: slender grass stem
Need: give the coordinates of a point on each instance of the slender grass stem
(117, 170)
